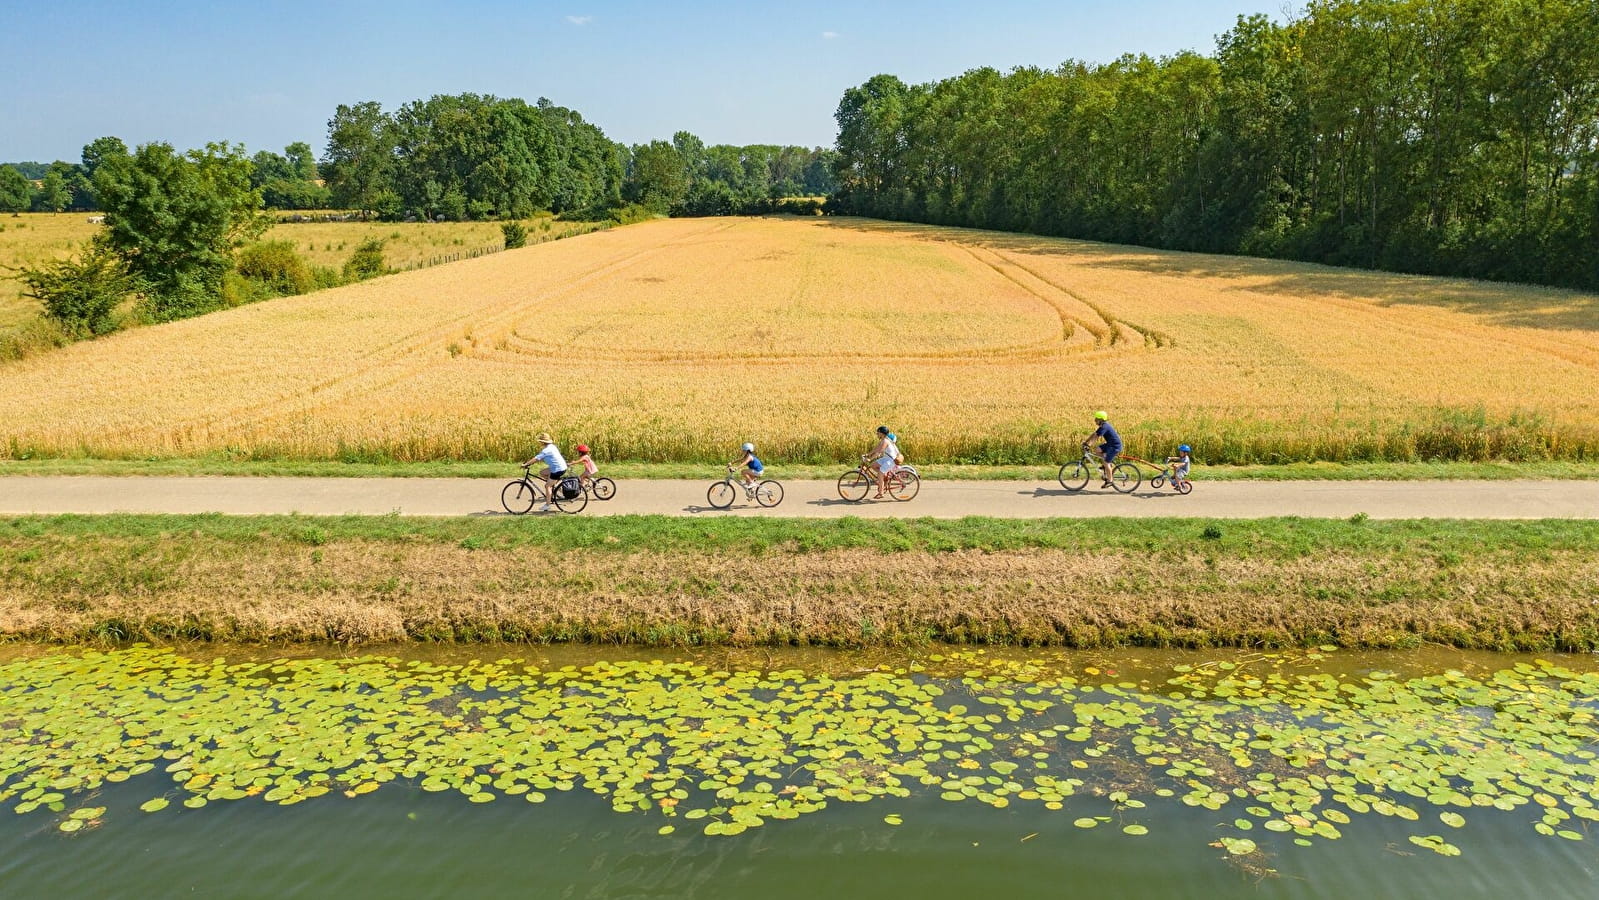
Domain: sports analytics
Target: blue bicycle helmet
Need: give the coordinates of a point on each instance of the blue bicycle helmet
(1185, 449)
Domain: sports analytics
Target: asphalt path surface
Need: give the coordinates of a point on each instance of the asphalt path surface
(810, 499)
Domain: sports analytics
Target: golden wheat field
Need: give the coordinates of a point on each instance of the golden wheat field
(33, 238)
(676, 340)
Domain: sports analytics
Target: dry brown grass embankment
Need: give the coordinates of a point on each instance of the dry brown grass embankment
(185, 587)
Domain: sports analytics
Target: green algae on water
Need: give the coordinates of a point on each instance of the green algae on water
(722, 751)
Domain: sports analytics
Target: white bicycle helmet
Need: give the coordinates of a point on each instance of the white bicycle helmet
(749, 448)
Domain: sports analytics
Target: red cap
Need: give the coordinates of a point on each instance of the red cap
(582, 448)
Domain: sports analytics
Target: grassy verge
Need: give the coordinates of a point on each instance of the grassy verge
(1286, 472)
(668, 581)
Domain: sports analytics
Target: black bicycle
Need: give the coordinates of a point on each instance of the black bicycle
(519, 496)
(1073, 476)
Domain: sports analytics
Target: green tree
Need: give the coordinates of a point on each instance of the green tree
(94, 155)
(54, 195)
(97, 151)
(16, 192)
(360, 156)
(658, 177)
(176, 220)
(301, 161)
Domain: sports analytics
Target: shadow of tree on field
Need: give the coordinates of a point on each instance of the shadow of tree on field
(1497, 303)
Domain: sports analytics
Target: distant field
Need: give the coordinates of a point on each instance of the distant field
(676, 340)
(34, 237)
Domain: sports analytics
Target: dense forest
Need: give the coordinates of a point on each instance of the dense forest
(1436, 136)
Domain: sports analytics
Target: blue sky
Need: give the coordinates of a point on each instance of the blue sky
(268, 72)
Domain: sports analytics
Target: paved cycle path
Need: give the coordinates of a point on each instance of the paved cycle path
(812, 499)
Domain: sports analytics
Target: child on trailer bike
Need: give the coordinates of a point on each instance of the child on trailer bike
(883, 458)
(590, 469)
(751, 465)
(1180, 464)
(554, 466)
(1109, 449)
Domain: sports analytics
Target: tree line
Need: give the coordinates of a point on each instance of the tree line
(474, 156)
(290, 180)
(1455, 137)
(684, 177)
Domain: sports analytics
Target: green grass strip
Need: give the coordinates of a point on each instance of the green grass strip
(1276, 538)
(1489, 471)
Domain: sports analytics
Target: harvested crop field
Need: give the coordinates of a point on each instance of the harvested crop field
(675, 340)
(33, 238)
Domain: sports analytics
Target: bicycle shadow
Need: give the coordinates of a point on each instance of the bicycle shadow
(1151, 494)
(502, 514)
(836, 501)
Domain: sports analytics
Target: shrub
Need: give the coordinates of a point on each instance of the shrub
(326, 277)
(366, 262)
(276, 267)
(80, 293)
(238, 290)
(183, 295)
(33, 336)
(515, 235)
(631, 213)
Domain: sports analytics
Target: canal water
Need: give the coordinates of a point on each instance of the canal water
(601, 772)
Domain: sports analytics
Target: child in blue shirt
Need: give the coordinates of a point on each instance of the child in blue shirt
(751, 464)
(1184, 461)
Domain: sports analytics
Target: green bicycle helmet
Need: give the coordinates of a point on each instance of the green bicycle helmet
(1101, 416)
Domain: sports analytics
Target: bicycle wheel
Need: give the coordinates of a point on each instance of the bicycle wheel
(853, 485)
(768, 493)
(721, 495)
(518, 497)
(904, 485)
(1073, 476)
(603, 488)
(1125, 478)
(572, 504)
(1183, 487)
(1158, 482)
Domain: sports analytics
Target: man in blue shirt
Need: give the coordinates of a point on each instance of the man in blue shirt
(555, 467)
(1110, 446)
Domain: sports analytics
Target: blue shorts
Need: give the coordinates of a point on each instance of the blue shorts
(885, 464)
(755, 469)
(1110, 452)
(557, 476)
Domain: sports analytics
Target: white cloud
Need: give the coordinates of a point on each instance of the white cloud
(829, 35)
(580, 20)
